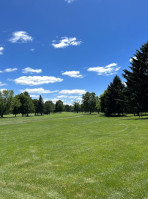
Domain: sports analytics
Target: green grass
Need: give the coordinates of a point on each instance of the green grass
(63, 156)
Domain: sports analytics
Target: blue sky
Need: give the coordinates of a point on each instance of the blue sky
(60, 49)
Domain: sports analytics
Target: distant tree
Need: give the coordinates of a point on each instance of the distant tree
(59, 106)
(27, 105)
(68, 108)
(36, 109)
(6, 97)
(137, 81)
(77, 107)
(16, 104)
(97, 108)
(89, 102)
(48, 107)
(41, 105)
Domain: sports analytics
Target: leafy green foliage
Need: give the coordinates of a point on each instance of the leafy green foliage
(77, 107)
(59, 107)
(6, 97)
(48, 107)
(27, 105)
(89, 102)
(16, 104)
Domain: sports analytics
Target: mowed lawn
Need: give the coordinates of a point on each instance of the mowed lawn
(70, 156)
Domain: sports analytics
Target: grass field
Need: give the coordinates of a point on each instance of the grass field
(70, 156)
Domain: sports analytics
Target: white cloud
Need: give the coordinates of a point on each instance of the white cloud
(75, 74)
(3, 89)
(31, 70)
(9, 70)
(1, 50)
(54, 100)
(69, 1)
(107, 70)
(69, 97)
(38, 91)
(2, 84)
(20, 36)
(36, 80)
(72, 92)
(131, 59)
(32, 49)
(65, 42)
(124, 83)
(34, 96)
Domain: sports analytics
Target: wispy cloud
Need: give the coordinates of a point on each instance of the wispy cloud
(36, 80)
(65, 42)
(72, 92)
(2, 84)
(75, 74)
(20, 36)
(107, 70)
(69, 1)
(31, 70)
(1, 50)
(38, 91)
(69, 97)
(34, 96)
(9, 70)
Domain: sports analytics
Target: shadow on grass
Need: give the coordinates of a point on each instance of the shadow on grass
(141, 118)
(89, 114)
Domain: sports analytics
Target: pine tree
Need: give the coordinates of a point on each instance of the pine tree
(137, 81)
(113, 101)
(41, 105)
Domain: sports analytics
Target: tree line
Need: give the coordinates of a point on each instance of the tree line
(119, 98)
(25, 105)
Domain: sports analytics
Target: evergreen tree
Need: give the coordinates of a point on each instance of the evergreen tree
(137, 81)
(113, 101)
(41, 105)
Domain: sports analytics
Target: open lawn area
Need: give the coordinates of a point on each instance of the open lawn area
(70, 156)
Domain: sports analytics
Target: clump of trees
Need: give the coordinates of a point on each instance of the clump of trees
(6, 97)
(132, 98)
